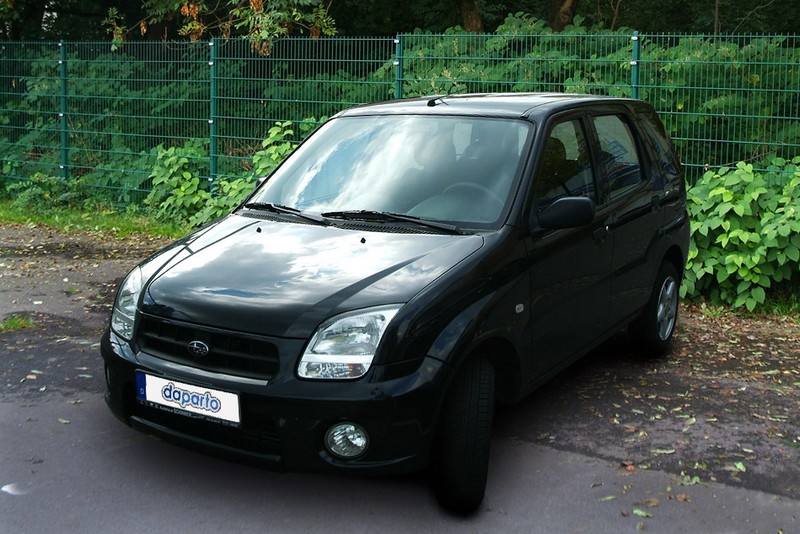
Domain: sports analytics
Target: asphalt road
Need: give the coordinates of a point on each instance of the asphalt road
(66, 465)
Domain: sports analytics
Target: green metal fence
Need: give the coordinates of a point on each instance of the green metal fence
(723, 98)
(88, 114)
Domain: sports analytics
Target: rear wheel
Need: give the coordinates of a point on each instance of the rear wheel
(654, 329)
(461, 462)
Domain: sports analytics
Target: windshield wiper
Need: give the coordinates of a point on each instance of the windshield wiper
(385, 216)
(286, 210)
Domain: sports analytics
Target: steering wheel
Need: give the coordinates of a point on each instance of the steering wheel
(477, 189)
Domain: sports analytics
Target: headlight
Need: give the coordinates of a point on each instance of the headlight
(124, 312)
(344, 346)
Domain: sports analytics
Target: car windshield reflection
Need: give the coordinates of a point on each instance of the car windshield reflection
(455, 169)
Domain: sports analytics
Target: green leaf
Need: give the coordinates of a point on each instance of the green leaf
(758, 294)
(642, 513)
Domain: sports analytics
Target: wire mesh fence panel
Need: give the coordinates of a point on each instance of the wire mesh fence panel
(293, 79)
(108, 119)
(124, 105)
(30, 125)
(725, 99)
(463, 63)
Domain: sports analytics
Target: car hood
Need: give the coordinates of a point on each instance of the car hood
(283, 279)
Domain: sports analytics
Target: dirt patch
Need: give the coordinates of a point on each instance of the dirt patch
(721, 406)
(65, 282)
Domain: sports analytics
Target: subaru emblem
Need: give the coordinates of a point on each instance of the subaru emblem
(198, 348)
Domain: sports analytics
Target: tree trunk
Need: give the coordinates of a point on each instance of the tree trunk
(471, 16)
(561, 13)
(29, 24)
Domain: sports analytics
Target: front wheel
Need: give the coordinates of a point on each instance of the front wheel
(654, 329)
(461, 459)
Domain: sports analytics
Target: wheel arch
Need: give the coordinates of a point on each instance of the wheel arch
(677, 258)
(503, 356)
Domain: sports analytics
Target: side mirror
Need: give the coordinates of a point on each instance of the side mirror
(565, 212)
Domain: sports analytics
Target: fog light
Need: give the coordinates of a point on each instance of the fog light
(346, 440)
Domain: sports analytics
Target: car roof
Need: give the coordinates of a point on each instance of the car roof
(509, 105)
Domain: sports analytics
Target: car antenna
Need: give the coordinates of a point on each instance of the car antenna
(432, 101)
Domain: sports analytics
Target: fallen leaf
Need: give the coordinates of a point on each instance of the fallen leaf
(641, 513)
(664, 451)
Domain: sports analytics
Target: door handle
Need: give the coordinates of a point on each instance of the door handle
(601, 233)
(655, 203)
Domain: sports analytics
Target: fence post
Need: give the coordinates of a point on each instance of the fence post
(212, 120)
(398, 64)
(62, 112)
(635, 65)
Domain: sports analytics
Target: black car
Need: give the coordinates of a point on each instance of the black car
(406, 267)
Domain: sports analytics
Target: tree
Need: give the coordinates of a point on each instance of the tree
(561, 12)
(257, 19)
(202, 19)
(62, 19)
(471, 16)
(21, 19)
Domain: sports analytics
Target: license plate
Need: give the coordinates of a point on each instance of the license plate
(180, 398)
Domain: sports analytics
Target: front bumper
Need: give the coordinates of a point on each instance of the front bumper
(283, 422)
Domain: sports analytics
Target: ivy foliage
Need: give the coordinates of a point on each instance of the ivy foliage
(745, 233)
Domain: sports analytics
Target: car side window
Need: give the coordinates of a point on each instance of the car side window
(566, 169)
(660, 141)
(620, 166)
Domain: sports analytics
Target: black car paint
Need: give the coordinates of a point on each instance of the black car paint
(531, 299)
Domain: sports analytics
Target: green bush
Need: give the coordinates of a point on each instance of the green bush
(42, 193)
(178, 189)
(228, 195)
(180, 193)
(745, 233)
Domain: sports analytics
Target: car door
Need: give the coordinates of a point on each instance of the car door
(569, 268)
(630, 189)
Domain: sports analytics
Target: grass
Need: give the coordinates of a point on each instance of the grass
(784, 304)
(118, 223)
(12, 323)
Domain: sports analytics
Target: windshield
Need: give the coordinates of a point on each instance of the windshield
(454, 169)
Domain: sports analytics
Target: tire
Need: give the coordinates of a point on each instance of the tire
(461, 459)
(654, 328)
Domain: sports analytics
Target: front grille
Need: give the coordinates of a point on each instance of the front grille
(231, 353)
